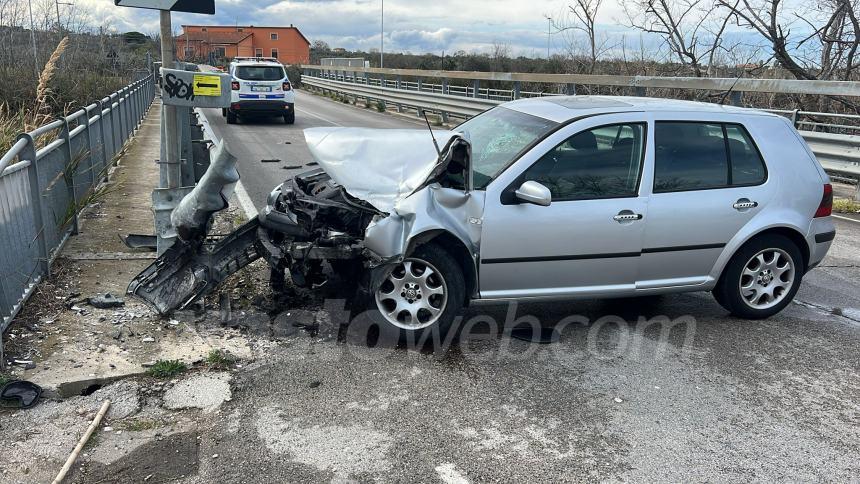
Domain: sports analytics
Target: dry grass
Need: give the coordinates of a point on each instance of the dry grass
(844, 205)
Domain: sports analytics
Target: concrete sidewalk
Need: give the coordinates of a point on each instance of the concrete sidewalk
(71, 342)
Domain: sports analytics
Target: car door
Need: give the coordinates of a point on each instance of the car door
(588, 240)
(709, 181)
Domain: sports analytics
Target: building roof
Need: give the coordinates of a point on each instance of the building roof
(270, 27)
(214, 37)
(564, 108)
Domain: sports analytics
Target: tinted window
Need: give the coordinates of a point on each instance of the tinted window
(747, 165)
(689, 156)
(599, 163)
(497, 138)
(260, 73)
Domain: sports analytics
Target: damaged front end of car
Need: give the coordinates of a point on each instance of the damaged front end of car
(376, 196)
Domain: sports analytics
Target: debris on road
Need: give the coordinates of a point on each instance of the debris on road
(106, 301)
(25, 393)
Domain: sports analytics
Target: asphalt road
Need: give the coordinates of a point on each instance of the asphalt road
(700, 396)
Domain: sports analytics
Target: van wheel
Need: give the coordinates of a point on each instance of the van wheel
(762, 278)
(231, 117)
(422, 294)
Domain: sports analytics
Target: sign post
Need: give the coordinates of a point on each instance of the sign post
(171, 191)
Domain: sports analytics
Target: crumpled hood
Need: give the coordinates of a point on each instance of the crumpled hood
(379, 166)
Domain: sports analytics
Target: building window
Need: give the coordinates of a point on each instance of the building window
(275, 53)
(219, 52)
(204, 29)
(274, 36)
(189, 52)
(240, 29)
(258, 52)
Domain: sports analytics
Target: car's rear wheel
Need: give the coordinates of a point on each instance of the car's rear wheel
(231, 117)
(290, 118)
(423, 293)
(224, 112)
(762, 278)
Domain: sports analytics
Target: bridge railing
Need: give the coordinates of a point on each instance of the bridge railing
(834, 138)
(48, 176)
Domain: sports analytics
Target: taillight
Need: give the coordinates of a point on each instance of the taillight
(826, 206)
(287, 86)
(235, 85)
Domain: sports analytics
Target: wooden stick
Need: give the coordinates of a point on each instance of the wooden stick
(81, 443)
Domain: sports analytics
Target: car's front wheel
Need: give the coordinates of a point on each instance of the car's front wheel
(423, 293)
(762, 278)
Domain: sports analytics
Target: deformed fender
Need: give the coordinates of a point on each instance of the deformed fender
(432, 209)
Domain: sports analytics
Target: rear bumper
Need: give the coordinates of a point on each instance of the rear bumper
(820, 238)
(261, 108)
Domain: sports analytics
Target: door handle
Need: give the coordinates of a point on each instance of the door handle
(744, 204)
(627, 216)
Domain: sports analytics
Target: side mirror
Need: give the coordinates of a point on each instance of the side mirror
(534, 192)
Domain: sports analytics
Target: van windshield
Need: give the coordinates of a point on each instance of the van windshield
(260, 73)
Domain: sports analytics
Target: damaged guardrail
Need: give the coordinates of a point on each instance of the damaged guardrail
(838, 152)
(48, 176)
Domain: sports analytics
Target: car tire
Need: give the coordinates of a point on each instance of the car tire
(445, 275)
(232, 118)
(762, 278)
(290, 118)
(223, 112)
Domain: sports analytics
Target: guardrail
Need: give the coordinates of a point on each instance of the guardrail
(47, 177)
(838, 152)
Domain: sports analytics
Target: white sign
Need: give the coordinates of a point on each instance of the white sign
(190, 6)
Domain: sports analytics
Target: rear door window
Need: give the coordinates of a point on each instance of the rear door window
(702, 156)
(260, 73)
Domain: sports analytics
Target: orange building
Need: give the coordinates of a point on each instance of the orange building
(212, 43)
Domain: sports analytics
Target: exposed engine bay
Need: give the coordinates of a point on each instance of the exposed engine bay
(362, 211)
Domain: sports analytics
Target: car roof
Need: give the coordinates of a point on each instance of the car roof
(564, 108)
(257, 62)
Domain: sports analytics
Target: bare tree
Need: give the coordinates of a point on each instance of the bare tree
(829, 52)
(689, 27)
(581, 16)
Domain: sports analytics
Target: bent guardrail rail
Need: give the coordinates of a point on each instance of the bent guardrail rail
(838, 153)
(45, 183)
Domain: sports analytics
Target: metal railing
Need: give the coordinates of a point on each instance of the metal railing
(834, 138)
(48, 176)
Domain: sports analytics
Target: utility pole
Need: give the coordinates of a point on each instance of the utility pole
(382, 35)
(57, 3)
(170, 119)
(33, 39)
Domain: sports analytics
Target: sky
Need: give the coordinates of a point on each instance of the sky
(418, 27)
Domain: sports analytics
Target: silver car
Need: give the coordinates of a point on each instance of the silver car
(562, 197)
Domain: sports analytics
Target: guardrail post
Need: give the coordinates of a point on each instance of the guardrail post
(102, 138)
(68, 172)
(516, 91)
(794, 117)
(445, 89)
(640, 91)
(420, 84)
(476, 87)
(29, 153)
(366, 79)
(736, 98)
(570, 89)
(89, 141)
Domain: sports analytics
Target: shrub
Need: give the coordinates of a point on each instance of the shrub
(166, 368)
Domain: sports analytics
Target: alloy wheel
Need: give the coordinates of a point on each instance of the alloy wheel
(767, 278)
(413, 296)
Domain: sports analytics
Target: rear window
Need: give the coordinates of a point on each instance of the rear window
(260, 73)
(702, 156)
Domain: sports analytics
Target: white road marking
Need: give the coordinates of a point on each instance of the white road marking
(449, 474)
(319, 117)
(245, 200)
(847, 219)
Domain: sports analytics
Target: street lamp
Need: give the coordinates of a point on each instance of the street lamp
(548, 34)
(382, 35)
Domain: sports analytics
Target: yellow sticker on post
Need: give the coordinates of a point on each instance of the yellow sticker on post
(207, 85)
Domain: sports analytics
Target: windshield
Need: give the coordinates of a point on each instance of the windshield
(260, 73)
(497, 137)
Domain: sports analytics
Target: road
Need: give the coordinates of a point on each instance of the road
(706, 398)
